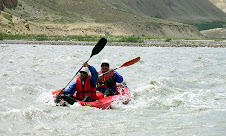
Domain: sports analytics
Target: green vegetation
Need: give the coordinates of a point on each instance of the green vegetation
(168, 39)
(209, 25)
(8, 16)
(132, 39)
(42, 37)
(1, 36)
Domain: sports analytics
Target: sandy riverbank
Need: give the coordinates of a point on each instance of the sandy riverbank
(147, 43)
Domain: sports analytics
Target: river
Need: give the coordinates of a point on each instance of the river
(175, 91)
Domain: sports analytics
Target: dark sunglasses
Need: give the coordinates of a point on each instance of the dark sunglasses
(82, 72)
(105, 64)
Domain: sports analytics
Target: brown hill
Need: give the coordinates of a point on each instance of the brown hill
(216, 33)
(177, 10)
(86, 17)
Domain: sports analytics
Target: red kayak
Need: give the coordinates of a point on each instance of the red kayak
(123, 96)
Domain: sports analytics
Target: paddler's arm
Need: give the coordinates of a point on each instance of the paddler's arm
(71, 90)
(94, 76)
(118, 78)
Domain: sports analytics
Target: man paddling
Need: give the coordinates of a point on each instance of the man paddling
(84, 88)
(108, 79)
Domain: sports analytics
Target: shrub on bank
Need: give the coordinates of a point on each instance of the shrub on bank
(1, 36)
(209, 25)
(131, 39)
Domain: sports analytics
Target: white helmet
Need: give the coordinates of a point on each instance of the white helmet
(85, 69)
(105, 61)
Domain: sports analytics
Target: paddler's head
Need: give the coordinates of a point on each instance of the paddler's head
(84, 72)
(104, 65)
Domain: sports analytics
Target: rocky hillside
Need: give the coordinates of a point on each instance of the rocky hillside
(8, 3)
(216, 33)
(219, 32)
(191, 11)
(85, 17)
(106, 17)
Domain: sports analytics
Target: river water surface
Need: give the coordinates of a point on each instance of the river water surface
(175, 91)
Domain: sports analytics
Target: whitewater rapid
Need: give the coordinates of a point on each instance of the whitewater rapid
(175, 91)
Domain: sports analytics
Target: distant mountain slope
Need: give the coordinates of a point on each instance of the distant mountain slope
(176, 10)
(87, 17)
(221, 4)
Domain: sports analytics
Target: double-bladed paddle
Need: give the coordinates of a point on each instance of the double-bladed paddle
(98, 47)
(128, 63)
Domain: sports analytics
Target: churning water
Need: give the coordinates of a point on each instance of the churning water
(175, 91)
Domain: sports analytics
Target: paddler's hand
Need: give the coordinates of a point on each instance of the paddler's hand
(58, 97)
(85, 64)
(61, 91)
(111, 71)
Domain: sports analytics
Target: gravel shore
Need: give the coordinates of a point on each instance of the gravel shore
(147, 43)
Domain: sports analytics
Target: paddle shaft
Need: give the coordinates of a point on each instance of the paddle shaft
(128, 63)
(75, 74)
(98, 47)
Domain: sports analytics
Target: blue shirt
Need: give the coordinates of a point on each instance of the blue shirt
(118, 78)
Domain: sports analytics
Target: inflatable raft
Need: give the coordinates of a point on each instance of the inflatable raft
(122, 96)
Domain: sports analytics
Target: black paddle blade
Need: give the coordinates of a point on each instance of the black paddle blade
(99, 46)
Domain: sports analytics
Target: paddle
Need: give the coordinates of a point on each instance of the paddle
(98, 47)
(128, 63)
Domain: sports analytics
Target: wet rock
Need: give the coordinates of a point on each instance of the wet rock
(10, 3)
(27, 25)
(1, 5)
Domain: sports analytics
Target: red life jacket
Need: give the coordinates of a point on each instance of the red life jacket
(84, 90)
(106, 81)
